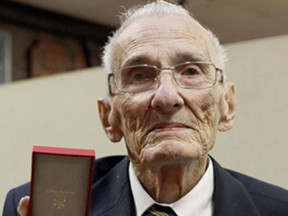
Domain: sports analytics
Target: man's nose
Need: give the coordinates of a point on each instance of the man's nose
(167, 97)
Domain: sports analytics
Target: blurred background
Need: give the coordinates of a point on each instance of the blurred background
(47, 37)
(51, 77)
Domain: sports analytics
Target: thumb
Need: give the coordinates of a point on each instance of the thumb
(22, 208)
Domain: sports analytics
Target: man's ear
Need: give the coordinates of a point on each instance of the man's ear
(228, 109)
(109, 121)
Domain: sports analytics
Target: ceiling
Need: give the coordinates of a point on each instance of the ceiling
(230, 20)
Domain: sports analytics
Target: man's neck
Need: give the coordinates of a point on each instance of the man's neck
(167, 183)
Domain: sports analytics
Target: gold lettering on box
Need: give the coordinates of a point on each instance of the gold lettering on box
(59, 197)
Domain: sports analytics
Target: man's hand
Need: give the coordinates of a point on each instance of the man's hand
(23, 206)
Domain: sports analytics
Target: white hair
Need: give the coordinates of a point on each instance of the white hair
(158, 7)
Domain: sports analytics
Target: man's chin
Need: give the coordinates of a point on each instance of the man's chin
(169, 151)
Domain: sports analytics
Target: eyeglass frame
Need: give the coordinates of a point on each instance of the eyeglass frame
(156, 80)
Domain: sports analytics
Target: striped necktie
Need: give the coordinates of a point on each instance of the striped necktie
(159, 211)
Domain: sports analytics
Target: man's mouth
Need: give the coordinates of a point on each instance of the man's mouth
(168, 127)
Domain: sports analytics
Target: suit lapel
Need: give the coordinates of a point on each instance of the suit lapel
(230, 196)
(112, 194)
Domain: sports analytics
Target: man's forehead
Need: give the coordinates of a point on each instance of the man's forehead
(183, 37)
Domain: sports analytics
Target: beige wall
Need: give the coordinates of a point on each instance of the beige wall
(62, 111)
(258, 144)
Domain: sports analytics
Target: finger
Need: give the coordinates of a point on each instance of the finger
(22, 208)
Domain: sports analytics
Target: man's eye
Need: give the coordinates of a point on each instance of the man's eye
(141, 74)
(190, 72)
(138, 76)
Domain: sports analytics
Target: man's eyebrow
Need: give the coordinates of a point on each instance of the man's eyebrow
(178, 57)
(139, 59)
(191, 56)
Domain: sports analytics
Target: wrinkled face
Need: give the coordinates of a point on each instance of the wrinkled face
(167, 123)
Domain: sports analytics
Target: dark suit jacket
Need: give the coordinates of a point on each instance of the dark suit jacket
(234, 194)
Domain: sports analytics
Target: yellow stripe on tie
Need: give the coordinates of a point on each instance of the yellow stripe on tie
(156, 212)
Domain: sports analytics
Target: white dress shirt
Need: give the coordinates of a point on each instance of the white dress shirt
(198, 202)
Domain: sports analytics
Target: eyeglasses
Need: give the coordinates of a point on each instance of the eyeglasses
(143, 77)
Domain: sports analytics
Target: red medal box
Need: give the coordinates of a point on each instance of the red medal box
(61, 181)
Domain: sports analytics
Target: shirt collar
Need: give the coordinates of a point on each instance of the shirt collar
(197, 202)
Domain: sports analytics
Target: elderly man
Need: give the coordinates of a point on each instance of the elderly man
(168, 98)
